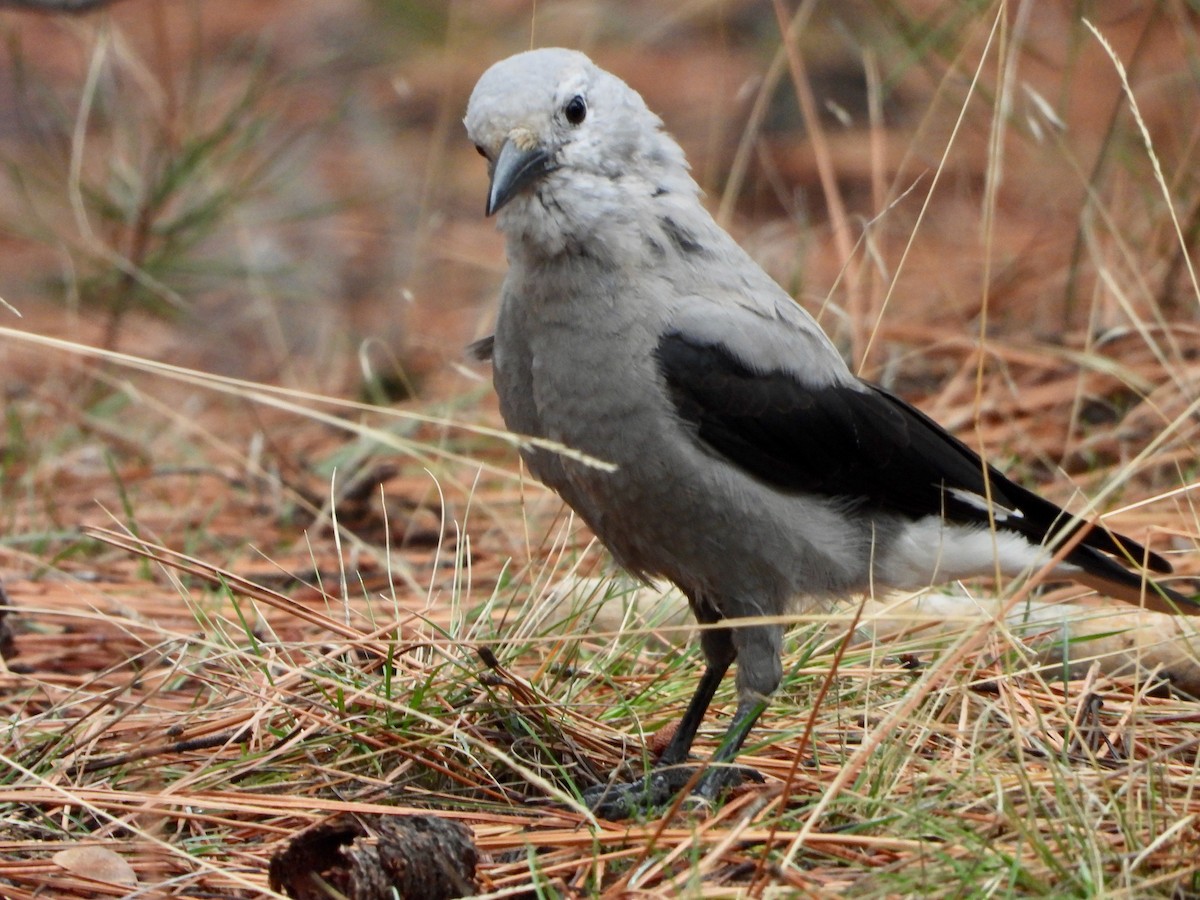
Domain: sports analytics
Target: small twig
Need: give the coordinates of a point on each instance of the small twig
(189, 745)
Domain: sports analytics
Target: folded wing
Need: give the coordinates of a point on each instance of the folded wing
(858, 443)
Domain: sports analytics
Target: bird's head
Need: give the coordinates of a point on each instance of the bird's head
(550, 117)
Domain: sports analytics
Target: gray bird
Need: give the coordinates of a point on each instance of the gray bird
(750, 466)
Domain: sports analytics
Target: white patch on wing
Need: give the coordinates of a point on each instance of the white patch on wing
(929, 551)
(1000, 513)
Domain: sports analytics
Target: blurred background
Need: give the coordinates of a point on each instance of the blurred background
(283, 191)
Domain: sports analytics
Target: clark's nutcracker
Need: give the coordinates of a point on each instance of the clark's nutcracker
(750, 466)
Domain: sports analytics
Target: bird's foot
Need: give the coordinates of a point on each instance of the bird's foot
(715, 782)
(646, 795)
(624, 800)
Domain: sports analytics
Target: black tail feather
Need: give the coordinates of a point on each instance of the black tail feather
(1043, 519)
(1107, 575)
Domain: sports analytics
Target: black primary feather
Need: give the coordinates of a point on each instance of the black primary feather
(865, 445)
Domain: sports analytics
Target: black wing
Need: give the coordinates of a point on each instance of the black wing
(862, 444)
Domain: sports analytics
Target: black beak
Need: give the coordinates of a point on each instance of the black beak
(515, 169)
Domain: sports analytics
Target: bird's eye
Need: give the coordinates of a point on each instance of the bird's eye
(575, 110)
(479, 149)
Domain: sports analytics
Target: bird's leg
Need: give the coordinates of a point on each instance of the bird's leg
(719, 776)
(718, 650)
(758, 649)
(620, 801)
(623, 800)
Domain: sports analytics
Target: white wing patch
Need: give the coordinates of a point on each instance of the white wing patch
(999, 513)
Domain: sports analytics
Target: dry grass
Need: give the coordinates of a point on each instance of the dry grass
(241, 606)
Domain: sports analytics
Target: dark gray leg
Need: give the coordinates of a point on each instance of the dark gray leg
(757, 649)
(719, 653)
(621, 801)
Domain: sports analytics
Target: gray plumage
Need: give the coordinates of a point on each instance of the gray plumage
(752, 468)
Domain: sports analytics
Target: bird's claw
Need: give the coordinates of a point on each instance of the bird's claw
(616, 801)
(624, 800)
